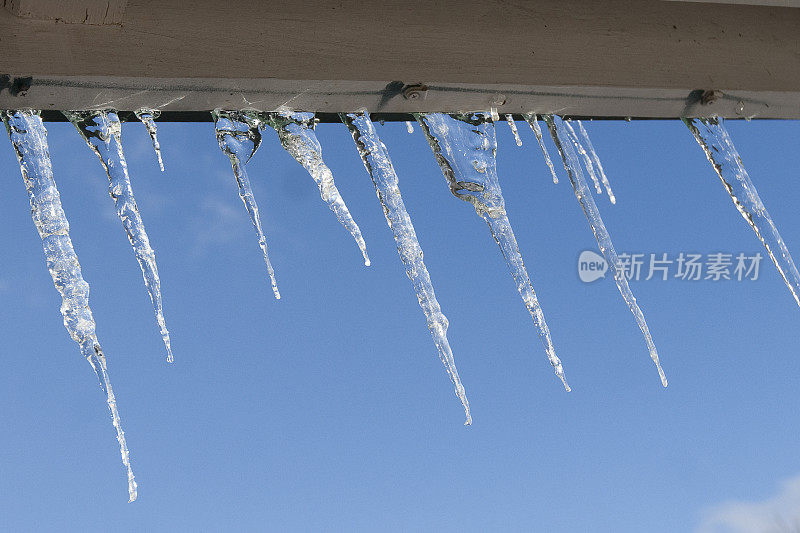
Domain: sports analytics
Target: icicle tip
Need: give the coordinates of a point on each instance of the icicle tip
(662, 375)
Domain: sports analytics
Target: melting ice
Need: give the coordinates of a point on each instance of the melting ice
(29, 138)
(239, 137)
(102, 132)
(715, 141)
(296, 133)
(465, 146)
(568, 146)
(376, 160)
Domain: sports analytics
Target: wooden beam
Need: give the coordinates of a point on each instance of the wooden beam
(638, 58)
(69, 11)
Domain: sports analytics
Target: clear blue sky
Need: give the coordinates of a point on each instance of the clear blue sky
(329, 409)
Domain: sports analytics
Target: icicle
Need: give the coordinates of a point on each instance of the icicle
(296, 133)
(28, 135)
(533, 122)
(465, 146)
(376, 160)
(103, 134)
(239, 138)
(565, 142)
(587, 161)
(597, 163)
(409, 127)
(715, 141)
(148, 117)
(514, 130)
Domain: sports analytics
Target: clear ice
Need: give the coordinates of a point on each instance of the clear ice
(533, 122)
(148, 118)
(239, 137)
(296, 133)
(514, 130)
(29, 137)
(102, 132)
(715, 141)
(597, 163)
(376, 160)
(587, 161)
(465, 147)
(566, 142)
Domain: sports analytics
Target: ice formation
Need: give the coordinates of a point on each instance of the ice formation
(715, 141)
(567, 144)
(465, 146)
(102, 132)
(514, 130)
(29, 137)
(239, 137)
(148, 118)
(597, 163)
(376, 160)
(533, 122)
(296, 133)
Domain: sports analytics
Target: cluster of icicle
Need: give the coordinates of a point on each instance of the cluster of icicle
(463, 144)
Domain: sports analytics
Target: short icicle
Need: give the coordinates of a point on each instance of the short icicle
(514, 130)
(715, 141)
(29, 137)
(409, 126)
(102, 132)
(376, 160)
(565, 141)
(465, 146)
(239, 137)
(533, 122)
(148, 118)
(597, 163)
(296, 133)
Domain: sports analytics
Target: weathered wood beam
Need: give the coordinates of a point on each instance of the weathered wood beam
(69, 11)
(616, 58)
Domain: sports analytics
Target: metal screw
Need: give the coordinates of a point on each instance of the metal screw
(415, 92)
(710, 96)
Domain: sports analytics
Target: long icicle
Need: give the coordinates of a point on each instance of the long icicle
(29, 137)
(239, 137)
(597, 163)
(102, 132)
(296, 133)
(148, 118)
(715, 141)
(565, 140)
(465, 146)
(377, 162)
(533, 122)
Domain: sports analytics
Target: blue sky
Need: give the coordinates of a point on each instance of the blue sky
(329, 409)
